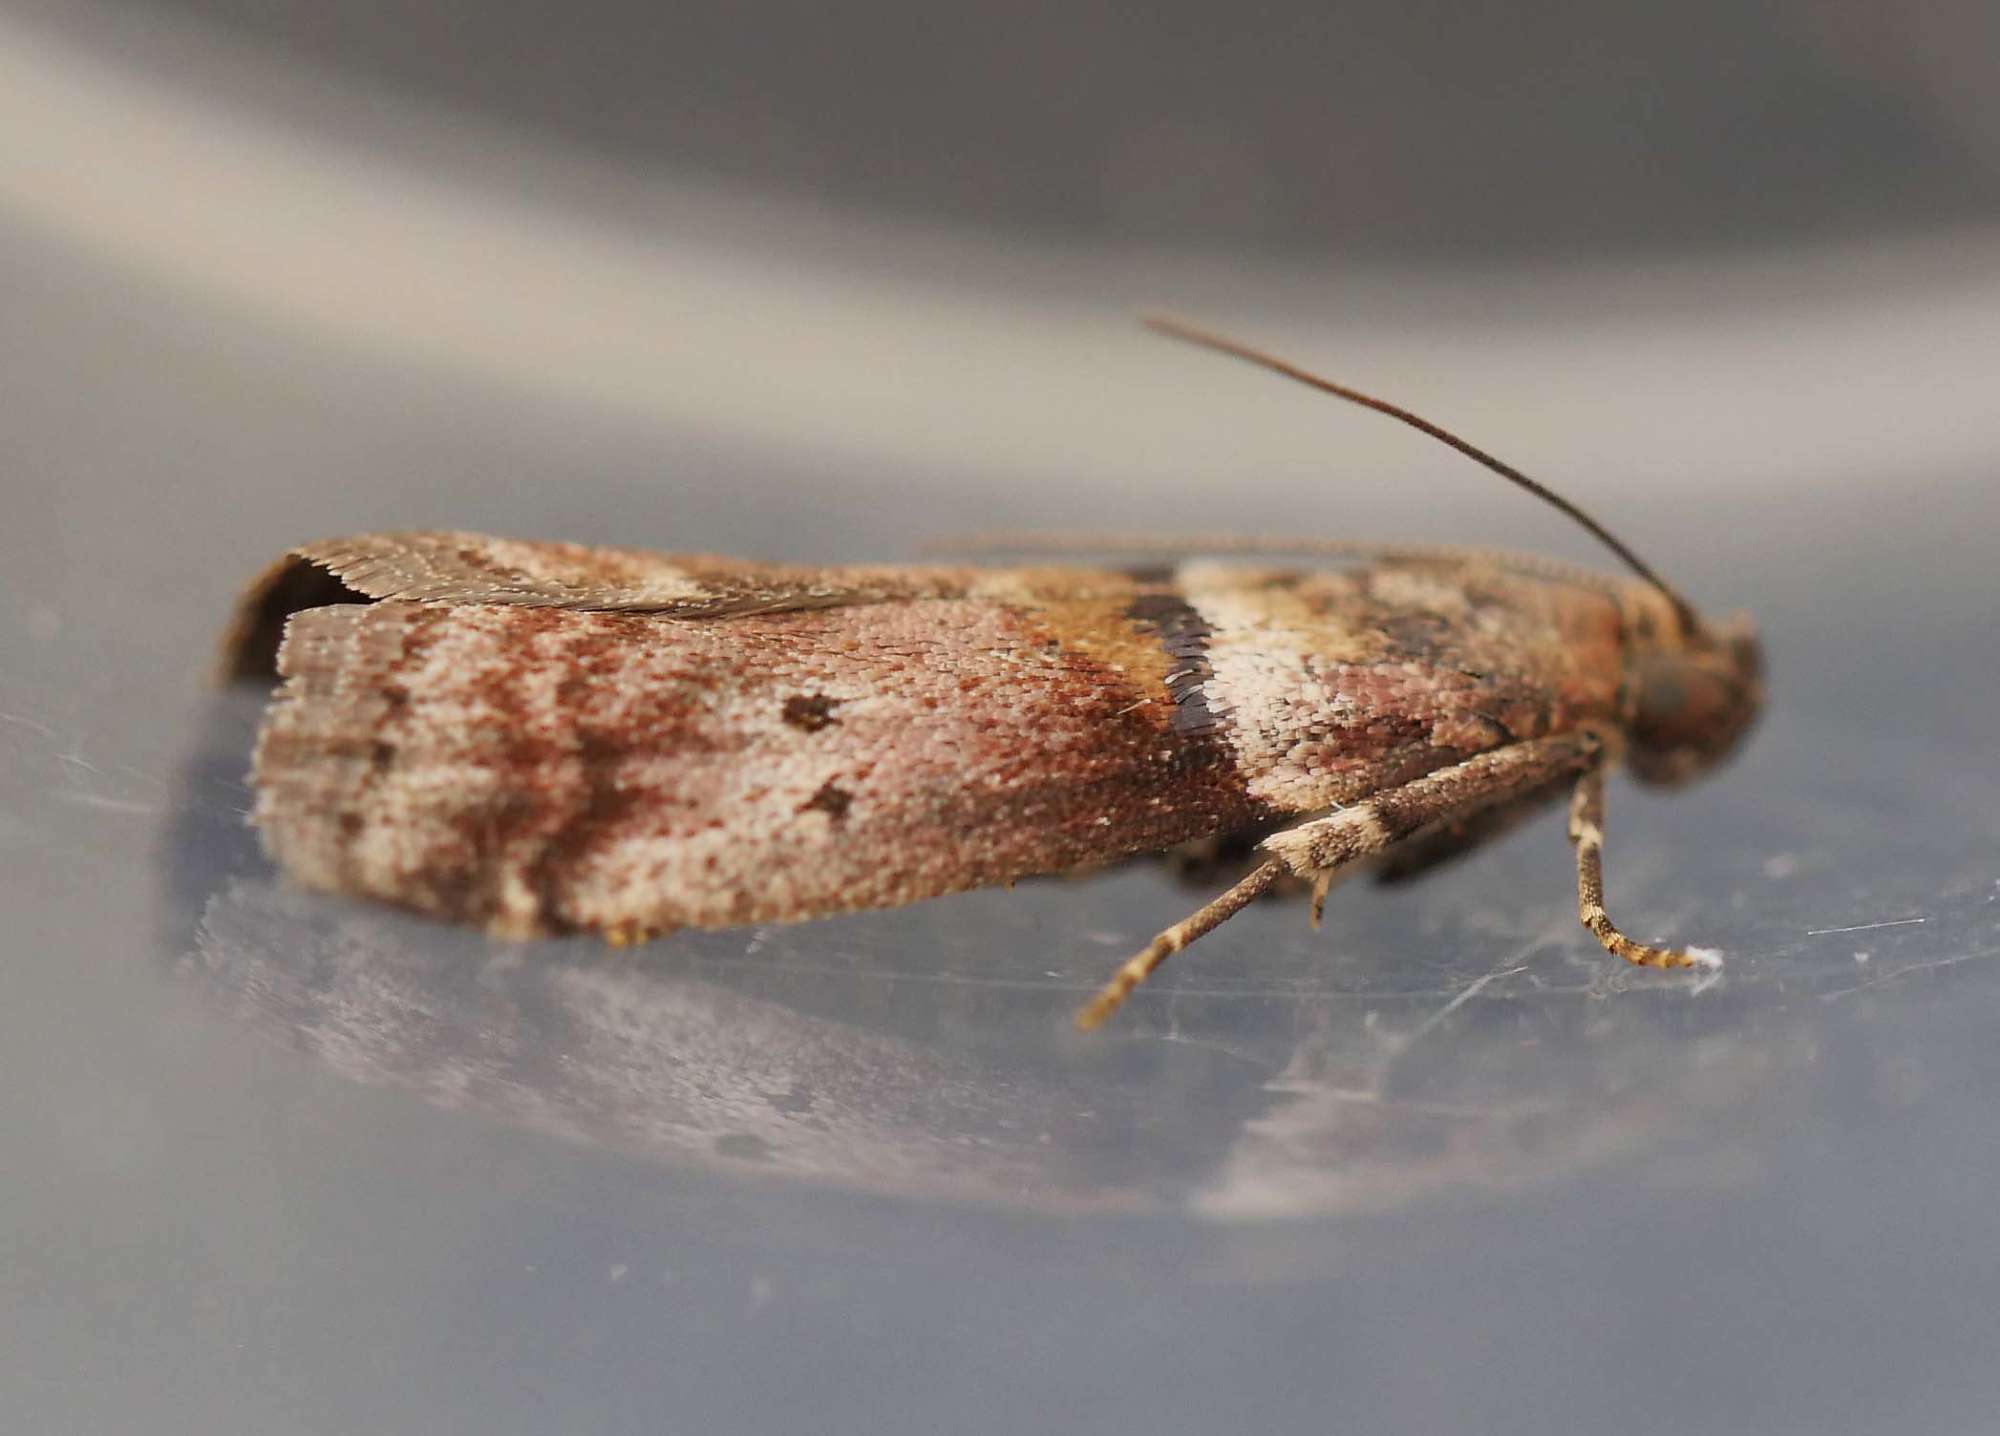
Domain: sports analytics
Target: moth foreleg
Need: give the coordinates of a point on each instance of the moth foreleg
(1586, 831)
(1319, 849)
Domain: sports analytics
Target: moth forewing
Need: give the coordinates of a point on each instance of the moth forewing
(537, 769)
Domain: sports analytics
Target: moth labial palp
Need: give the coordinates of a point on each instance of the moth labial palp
(542, 738)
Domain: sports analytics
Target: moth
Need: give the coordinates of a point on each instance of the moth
(543, 738)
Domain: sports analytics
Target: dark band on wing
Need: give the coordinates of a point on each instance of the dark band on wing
(1183, 635)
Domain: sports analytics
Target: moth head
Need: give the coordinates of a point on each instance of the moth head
(1691, 703)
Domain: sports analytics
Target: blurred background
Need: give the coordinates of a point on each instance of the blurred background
(799, 281)
(903, 247)
(1334, 133)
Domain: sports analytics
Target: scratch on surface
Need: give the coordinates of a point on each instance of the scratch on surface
(26, 722)
(1864, 926)
(108, 805)
(1472, 990)
(1396, 1044)
(1909, 968)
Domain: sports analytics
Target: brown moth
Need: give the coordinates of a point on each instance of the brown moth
(545, 738)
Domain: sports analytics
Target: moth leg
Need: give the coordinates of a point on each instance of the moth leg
(1586, 831)
(1321, 884)
(1448, 842)
(1136, 968)
(1319, 849)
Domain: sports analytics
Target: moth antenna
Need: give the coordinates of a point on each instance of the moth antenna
(1180, 329)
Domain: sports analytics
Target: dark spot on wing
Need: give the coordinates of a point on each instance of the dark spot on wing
(811, 711)
(831, 799)
(1415, 635)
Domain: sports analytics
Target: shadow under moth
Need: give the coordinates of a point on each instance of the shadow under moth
(546, 738)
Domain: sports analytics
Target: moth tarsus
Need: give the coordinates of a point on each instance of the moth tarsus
(544, 738)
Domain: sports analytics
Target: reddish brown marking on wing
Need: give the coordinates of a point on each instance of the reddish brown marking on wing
(551, 769)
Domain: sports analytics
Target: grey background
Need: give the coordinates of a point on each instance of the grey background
(279, 1162)
(1553, 127)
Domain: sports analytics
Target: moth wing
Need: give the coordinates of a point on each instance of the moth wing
(537, 769)
(453, 567)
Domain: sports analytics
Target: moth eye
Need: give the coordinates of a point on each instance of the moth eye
(1662, 693)
(1691, 711)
